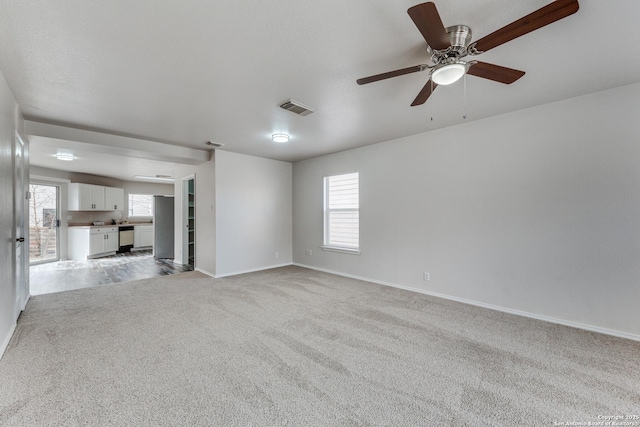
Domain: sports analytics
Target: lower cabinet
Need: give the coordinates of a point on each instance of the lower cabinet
(92, 242)
(142, 236)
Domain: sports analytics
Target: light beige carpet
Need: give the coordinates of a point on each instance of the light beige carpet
(291, 346)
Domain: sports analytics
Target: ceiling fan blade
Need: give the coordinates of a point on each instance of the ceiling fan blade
(544, 16)
(427, 19)
(496, 73)
(425, 93)
(389, 74)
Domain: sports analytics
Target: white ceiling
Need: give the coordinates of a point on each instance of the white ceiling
(190, 71)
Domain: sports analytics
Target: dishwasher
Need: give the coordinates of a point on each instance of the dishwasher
(126, 239)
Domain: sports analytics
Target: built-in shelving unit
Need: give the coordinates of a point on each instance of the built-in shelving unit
(191, 221)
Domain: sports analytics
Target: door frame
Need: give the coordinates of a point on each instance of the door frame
(20, 226)
(58, 185)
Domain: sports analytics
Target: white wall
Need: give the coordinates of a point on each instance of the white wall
(253, 213)
(205, 215)
(205, 187)
(9, 123)
(535, 211)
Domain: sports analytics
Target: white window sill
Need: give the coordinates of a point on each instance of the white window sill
(339, 249)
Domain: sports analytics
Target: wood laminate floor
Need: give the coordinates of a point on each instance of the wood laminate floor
(67, 275)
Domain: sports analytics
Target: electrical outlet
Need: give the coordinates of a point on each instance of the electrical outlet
(277, 254)
(426, 277)
(309, 252)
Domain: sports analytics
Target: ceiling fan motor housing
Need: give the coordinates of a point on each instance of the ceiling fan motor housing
(459, 37)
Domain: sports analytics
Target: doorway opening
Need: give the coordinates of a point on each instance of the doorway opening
(44, 223)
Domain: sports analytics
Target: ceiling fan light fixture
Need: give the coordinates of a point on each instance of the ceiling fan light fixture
(280, 138)
(449, 73)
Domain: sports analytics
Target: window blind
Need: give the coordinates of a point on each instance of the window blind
(140, 205)
(342, 211)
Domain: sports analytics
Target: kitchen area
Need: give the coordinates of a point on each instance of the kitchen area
(108, 235)
(97, 227)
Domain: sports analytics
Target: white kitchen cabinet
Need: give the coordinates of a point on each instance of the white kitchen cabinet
(142, 236)
(96, 243)
(111, 240)
(89, 197)
(114, 199)
(92, 242)
(86, 197)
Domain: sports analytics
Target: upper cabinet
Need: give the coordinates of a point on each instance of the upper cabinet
(86, 197)
(114, 199)
(89, 197)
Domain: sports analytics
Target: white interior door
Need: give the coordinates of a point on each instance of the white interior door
(21, 231)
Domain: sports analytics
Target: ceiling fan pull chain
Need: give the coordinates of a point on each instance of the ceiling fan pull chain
(430, 106)
(464, 94)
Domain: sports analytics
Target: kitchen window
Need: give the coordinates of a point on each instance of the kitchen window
(140, 205)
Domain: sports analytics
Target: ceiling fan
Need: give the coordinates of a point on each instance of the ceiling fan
(448, 46)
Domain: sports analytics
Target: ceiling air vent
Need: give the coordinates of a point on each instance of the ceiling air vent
(297, 107)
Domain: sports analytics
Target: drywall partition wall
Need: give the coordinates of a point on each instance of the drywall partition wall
(206, 222)
(9, 123)
(253, 213)
(205, 215)
(536, 211)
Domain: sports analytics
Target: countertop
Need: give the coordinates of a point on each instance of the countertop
(109, 225)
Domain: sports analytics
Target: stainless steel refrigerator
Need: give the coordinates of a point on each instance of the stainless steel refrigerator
(163, 223)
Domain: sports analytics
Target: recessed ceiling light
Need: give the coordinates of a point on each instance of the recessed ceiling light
(66, 156)
(280, 137)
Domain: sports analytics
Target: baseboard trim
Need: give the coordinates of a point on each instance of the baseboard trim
(235, 273)
(7, 339)
(205, 272)
(544, 318)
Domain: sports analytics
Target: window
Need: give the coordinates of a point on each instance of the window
(342, 212)
(140, 205)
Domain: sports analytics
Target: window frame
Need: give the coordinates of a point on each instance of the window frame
(326, 217)
(130, 212)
